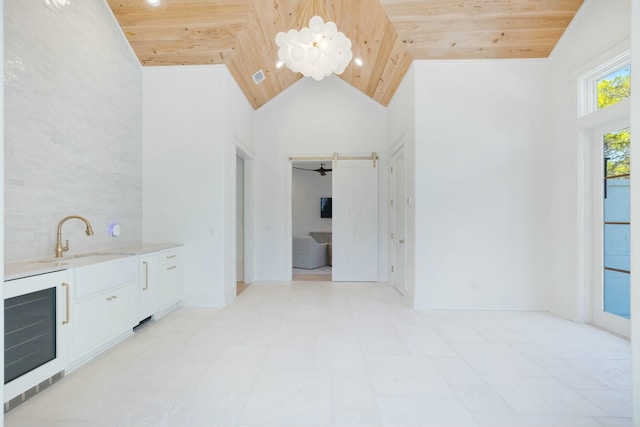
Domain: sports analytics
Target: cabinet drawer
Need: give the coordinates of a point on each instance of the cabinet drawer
(170, 256)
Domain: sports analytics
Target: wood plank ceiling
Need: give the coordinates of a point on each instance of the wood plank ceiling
(386, 34)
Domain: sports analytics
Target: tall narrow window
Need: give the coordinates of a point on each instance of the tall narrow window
(617, 222)
(603, 110)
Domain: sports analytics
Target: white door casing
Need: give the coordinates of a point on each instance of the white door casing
(398, 221)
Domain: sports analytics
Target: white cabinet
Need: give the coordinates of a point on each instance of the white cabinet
(101, 319)
(103, 307)
(119, 312)
(148, 285)
(169, 278)
(159, 283)
(99, 299)
(88, 325)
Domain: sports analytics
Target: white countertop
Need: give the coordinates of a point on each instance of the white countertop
(20, 269)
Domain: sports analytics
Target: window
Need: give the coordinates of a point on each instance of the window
(616, 223)
(614, 87)
(606, 85)
(604, 107)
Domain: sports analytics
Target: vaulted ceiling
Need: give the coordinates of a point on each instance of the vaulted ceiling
(387, 34)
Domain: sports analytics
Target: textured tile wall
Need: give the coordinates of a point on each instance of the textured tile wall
(73, 127)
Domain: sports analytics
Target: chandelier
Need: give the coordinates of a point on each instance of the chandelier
(318, 50)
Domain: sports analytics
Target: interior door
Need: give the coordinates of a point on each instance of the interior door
(355, 221)
(398, 221)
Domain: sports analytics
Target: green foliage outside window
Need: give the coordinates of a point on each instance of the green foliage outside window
(616, 144)
(616, 149)
(613, 91)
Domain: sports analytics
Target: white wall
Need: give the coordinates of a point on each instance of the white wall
(73, 132)
(308, 188)
(635, 213)
(480, 206)
(238, 138)
(402, 122)
(190, 119)
(582, 47)
(308, 118)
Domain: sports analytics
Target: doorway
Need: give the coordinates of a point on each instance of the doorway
(240, 224)
(243, 218)
(355, 227)
(312, 216)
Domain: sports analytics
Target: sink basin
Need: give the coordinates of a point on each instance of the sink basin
(80, 258)
(54, 262)
(92, 259)
(95, 254)
(101, 254)
(99, 259)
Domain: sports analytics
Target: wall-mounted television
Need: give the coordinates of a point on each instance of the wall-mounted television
(325, 207)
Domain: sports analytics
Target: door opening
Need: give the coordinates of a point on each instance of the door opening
(240, 282)
(312, 216)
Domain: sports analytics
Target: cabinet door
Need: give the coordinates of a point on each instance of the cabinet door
(148, 286)
(87, 326)
(169, 278)
(120, 309)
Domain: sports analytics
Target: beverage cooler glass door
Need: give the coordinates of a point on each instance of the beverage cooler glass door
(35, 316)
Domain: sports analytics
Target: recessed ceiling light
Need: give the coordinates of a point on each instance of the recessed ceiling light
(279, 64)
(358, 61)
(153, 2)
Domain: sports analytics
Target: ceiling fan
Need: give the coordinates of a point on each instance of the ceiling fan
(321, 170)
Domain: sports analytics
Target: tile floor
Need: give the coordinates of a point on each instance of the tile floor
(329, 354)
(240, 287)
(327, 269)
(321, 274)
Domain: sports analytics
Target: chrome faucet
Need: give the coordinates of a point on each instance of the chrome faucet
(59, 248)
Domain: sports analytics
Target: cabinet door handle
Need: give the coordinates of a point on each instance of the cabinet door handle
(146, 275)
(66, 289)
(171, 268)
(171, 256)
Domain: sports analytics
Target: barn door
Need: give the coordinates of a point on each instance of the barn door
(355, 221)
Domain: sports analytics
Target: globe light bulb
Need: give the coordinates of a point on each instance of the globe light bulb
(316, 51)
